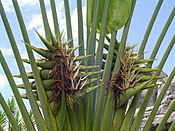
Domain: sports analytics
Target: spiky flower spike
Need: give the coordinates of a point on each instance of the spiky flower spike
(61, 71)
(133, 74)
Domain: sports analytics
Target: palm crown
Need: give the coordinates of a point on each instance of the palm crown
(88, 90)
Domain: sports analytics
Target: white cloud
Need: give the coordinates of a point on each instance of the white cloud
(31, 2)
(4, 82)
(24, 55)
(7, 51)
(8, 5)
(37, 22)
(22, 50)
(28, 2)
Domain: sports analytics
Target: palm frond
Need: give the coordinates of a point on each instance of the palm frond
(93, 85)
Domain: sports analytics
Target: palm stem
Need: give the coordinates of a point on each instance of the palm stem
(105, 78)
(61, 116)
(99, 54)
(92, 36)
(39, 120)
(87, 24)
(162, 35)
(73, 119)
(138, 118)
(1, 129)
(135, 125)
(55, 19)
(16, 93)
(109, 106)
(119, 116)
(80, 28)
(68, 22)
(91, 45)
(12, 120)
(121, 49)
(141, 50)
(67, 126)
(149, 28)
(161, 96)
(50, 120)
(80, 115)
(172, 127)
(45, 19)
(166, 116)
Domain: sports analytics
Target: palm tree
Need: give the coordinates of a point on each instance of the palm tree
(88, 90)
(16, 114)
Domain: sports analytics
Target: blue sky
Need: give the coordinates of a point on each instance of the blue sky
(31, 13)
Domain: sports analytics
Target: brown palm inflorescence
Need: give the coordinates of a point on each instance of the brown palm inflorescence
(61, 70)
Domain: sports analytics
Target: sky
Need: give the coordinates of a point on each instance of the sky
(32, 17)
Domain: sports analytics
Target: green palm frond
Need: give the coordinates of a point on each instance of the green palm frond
(92, 85)
(3, 119)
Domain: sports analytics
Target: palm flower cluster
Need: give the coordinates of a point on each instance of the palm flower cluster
(132, 73)
(61, 71)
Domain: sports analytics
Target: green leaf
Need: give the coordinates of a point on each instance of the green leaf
(55, 19)
(143, 61)
(159, 100)
(44, 53)
(78, 58)
(3, 119)
(127, 94)
(61, 117)
(9, 114)
(44, 64)
(34, 106)
(83, 68)
(68, 22)
(16, 94)
(87, 90)
(47, 43)
(118, 13)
